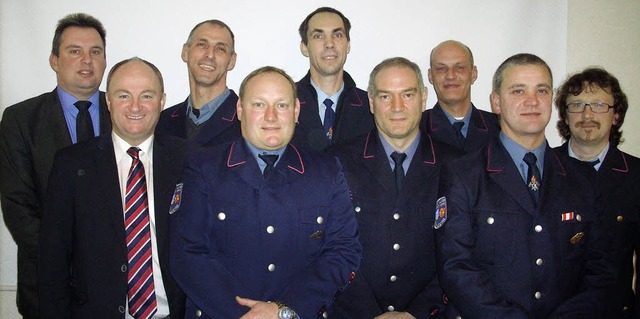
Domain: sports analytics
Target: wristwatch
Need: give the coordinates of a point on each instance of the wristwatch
(284, 312)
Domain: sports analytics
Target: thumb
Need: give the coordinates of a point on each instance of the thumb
(245, 301)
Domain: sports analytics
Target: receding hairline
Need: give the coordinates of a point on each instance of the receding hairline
(456, 43)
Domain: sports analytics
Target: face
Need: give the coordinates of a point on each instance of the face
(80, 63)
(524, 103)
(268, 112)
(397, 104)
(209, 56)
(327, 47)
(452, 74)
(587, 127)
(135, 100)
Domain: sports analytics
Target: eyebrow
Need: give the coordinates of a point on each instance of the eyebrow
(332, 31)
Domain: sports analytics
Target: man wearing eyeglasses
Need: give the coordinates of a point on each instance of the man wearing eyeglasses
(592, 107)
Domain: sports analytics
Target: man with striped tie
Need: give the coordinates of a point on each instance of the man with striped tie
(104, 235)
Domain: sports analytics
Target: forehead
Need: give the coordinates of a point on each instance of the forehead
(210, 30)
(526, 74)
(451, 52)
(325, 21)
(399, 74)
(134, 71)
(268, 85)
(75, 34)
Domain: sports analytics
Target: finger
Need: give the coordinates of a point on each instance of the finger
(245, 301)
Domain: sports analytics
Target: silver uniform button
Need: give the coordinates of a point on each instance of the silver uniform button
(393, 278)
(198, 313)
(270, 229)
(490, 220)
(620, 218)
(121, 309)
(538, 295)
(539, 261)
(396, 216)
(458, 317)
(396, 246)
(222, 216)
(538, 228)
(391, 308)
(320, 220)
(123, 268)
(357, 209)
(579, 218)
(271, 267)
(325, 315)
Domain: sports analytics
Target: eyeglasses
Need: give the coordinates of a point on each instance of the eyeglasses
(598, 107)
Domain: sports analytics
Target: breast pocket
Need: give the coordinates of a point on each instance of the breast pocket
(496, 237)
(313, 221)
(227, 231)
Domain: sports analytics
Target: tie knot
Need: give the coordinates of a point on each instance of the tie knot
(133, 152)
(458, 125)
(398, 158)
(328, 102)
(594, 162)
(270, 160)
(82, 105)
(530, 159)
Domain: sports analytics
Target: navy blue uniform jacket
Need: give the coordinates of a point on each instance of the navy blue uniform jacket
(222, 127)
(398, 268)
(483, 126)
(290, 238)
(619, 186)
(83, 251)
(353, 117)
(500, 257)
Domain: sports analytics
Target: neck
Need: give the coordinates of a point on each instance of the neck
(203, 95)
(401, 144)
(329, 84)
(460, 109)
(586, 151)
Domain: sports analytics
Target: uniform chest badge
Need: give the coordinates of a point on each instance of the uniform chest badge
(441, 212)
(576, 238)
(534, 185)
(176, 199)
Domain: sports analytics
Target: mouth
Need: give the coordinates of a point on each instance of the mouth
(135, 117)
(207, 67)
(85, 72)
(588, 125)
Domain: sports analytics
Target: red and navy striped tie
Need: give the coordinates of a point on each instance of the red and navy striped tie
(141, 291)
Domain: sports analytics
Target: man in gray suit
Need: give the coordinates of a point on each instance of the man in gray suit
(33, 130)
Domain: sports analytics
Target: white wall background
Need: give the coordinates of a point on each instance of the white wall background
(266, 33)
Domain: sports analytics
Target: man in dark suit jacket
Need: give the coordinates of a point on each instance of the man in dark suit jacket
(518, 237)
(325, 41)
(591, 108)
(454, 119)
(397, 275)
(208, 115)
(264, 229)
(33, 130)
(87, 248)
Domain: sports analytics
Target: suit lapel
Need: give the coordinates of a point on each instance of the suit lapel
(504, 172)
(614, 170)
(241, 162)
(375, 160)
(423, 167)
(57, 121)
(223, 117)
(105, 117)
(478, 129)
(553, 180)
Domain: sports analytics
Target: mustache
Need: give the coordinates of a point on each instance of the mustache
(581, 123)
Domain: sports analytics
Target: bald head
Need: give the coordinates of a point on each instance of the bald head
(448, 45)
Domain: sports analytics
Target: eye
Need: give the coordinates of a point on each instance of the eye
(517, 91)
(147, 96)
(459, 68)
(338, 35)
(543, 91)
(96, 52)
(317, 36)
(409, 95)
(441, 69)
(75, 51)
(123, 96)
(221, 48)
(384, 97)
(282, 106)
(201, 45)
(258, 105)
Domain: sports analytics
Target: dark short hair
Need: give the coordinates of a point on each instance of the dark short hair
(514, 60)
(304, 26)
(136, 59)
(588, 78)
(395, 62)
(264, 70)
(81, 20)
(217, 23)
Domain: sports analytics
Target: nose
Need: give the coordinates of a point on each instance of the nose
(135, 104)
(270, 113)
(209, 52)
(329, 44)
(531, 99)
(397, 104)
(587, 113)
(451, 74)
(86, 57)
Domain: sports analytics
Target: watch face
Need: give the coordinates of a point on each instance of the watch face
(287, 313)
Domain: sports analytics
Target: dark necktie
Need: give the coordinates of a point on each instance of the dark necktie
(533, 176)
(195, 112)
(398, 170)
(270, 160)
(329, 119)
(594, 162)
(141, 289)
(84, 127)
(457, 125)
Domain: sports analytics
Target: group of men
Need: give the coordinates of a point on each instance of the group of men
(316, 198)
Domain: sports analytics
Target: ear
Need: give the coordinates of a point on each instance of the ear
(425, 94)
(495, 103)
(232, 62)
(348, 47)
(239, 110)
(162, 101)
(370, 102)
(616, 118)
(53, 62)
(185, 52)
(296, 110)
(430, 76)
(108, 102)
(474, 74)
(304, 50)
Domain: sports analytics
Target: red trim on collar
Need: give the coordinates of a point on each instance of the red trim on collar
(489, 161)
(432, 149)
(626, 166)
(366, 145)
(299, 158)
(229, 164)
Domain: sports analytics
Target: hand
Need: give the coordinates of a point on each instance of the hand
(395, 315)
(259, 309)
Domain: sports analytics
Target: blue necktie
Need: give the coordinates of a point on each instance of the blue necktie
(398, 159)
(329, 119)
(533, 176)
(457, 125)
